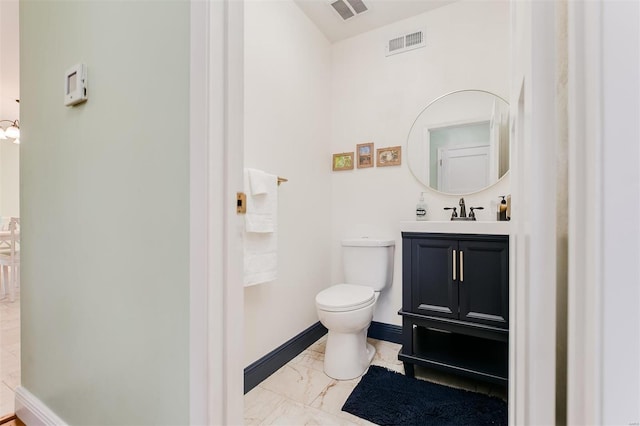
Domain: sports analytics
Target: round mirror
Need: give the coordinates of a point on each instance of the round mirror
(459, 144)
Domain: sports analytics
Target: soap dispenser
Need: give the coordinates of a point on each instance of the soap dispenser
(421, 208)
(502, 209)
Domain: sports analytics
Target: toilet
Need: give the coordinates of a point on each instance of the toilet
(346, 309)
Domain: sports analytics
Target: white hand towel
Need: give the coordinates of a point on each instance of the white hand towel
(260, 258)
(259, 181)
(262, 201)
(260, 238)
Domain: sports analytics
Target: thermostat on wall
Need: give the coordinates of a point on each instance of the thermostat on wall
(75, 85)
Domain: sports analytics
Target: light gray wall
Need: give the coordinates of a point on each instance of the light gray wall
(105, 279)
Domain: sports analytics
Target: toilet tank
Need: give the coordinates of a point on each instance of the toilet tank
(368, 261)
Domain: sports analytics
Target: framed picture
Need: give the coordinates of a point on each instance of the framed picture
(365, 155)
(391, 156)
(343, 161)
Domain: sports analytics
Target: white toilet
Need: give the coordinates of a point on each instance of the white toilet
(346, 309)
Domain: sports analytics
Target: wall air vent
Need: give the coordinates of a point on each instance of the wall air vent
(396, 44)
(405, 43)
(413, 39)
(349, 8)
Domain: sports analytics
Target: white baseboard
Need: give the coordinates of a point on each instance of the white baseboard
(33, 412)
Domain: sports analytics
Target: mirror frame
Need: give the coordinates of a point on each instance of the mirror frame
(416, 120)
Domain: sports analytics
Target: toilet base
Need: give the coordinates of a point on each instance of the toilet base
(347, 355)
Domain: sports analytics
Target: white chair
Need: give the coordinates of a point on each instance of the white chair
(5, 244)
(10, 262)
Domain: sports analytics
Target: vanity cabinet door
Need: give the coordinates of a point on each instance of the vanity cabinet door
(484, 282)
(434, 290)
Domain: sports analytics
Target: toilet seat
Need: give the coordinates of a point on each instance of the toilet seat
(345, 297)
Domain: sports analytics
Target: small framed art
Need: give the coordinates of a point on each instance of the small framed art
(391, 156)
(365, 155)
(343, 161)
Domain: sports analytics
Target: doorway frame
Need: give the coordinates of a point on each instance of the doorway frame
(216, 161)
(604, 235)
(216, 122)
(533, 239)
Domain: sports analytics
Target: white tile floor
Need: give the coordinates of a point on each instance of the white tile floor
(301, 394)
(9, 353)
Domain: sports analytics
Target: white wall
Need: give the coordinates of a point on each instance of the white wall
(105, 218)
(9, 108)
(377, 98)
(287, 99)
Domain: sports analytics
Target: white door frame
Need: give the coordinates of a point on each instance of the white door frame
(603, 381)
(216, 153)
(532, 350)
(583, 334)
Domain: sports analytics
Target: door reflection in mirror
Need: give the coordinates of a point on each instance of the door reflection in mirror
(459, 144)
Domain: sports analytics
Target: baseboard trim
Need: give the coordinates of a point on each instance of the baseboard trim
(255, 373)
(33, 412)
(388, 332)
(7, 419)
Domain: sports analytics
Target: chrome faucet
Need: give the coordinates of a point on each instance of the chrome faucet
(463, 211)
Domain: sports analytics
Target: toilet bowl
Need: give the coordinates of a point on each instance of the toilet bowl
(346, 310)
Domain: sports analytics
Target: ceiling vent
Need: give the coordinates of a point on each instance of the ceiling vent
(349, 8)
(405, 43)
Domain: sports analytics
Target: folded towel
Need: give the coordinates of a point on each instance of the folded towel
(262, 201)
(259, 181)
(260, 238)
(260, 258)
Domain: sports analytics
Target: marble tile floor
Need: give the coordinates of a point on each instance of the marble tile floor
(297, 394)
(301, 394)
(9, 353)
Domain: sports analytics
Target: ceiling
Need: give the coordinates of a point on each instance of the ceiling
(380, 13)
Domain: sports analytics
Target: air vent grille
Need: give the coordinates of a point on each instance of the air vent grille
(413, 39)
(406, 42)
(349, 9)
(357, 5)
(396, 44)
(342, 9)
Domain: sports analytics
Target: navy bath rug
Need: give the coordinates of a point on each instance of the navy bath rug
(385, 397)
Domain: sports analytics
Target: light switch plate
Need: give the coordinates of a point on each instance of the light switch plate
(75, 85)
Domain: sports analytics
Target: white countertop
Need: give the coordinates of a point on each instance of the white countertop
(456, 227)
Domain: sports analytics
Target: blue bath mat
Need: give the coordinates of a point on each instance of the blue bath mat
(385, 397)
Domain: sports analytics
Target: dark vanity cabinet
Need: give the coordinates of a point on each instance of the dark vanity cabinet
(455, 303)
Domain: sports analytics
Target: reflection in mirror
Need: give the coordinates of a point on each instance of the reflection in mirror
(459, 143)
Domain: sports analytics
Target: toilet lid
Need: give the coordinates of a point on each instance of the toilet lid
(345, 297)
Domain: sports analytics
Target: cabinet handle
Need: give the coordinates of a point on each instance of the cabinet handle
(454, 265)
(461, 266)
